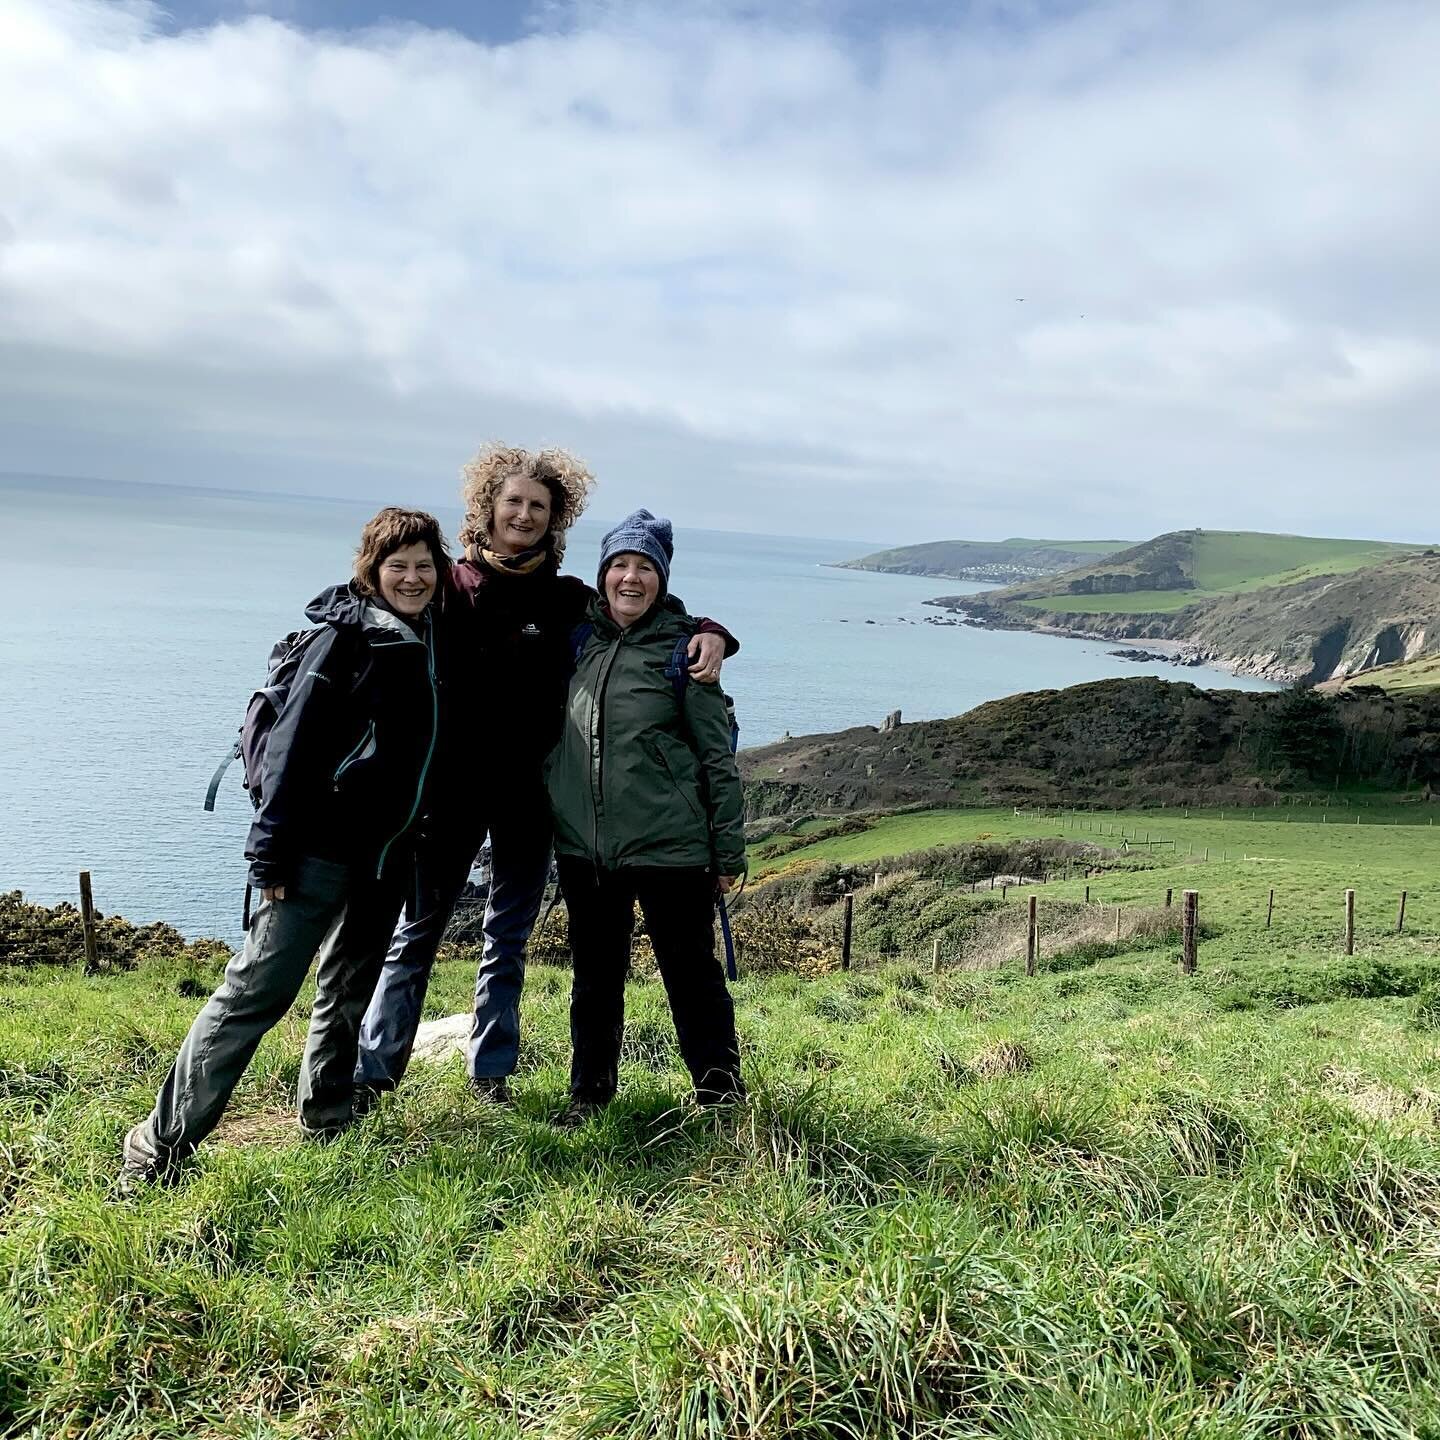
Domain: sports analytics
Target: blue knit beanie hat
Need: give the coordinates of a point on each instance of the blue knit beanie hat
(639, 533)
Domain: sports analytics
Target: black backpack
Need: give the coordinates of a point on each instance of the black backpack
(261, 713)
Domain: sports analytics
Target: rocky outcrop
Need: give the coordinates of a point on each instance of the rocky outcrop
(1124, 582)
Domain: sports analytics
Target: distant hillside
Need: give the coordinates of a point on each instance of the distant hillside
(1001, 562)
(1122, 742)
(1286, 607)
(1177, 569)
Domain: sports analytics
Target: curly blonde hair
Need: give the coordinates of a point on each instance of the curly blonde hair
(565, 477)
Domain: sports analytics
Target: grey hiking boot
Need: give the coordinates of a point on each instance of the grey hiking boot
(491, 1089)
(143, 1164)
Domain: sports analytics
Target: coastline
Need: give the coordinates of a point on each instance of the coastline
(1183, 654)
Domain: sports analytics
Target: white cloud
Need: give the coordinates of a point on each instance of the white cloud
(1143, 266)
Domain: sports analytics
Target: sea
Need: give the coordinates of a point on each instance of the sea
(135, 620)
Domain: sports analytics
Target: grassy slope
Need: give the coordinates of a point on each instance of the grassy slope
(1207, 1210)
(1310, 864)
(1407, 678)
(1231, 562)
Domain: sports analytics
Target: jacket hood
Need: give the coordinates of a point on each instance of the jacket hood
(342, 607)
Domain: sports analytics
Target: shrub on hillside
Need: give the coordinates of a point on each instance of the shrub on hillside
(54, 935)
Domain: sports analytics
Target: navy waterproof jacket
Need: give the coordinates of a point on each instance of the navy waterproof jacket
(351, 754)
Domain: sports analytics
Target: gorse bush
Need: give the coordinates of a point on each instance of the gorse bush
(33, 935)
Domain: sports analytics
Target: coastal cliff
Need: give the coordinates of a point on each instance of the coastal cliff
(1303, 627)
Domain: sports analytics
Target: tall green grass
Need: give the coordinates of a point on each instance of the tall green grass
(1103, 1201)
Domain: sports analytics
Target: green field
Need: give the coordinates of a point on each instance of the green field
(1234, 862)
(1227, 562)
(1408, 678)
(1103, 1202)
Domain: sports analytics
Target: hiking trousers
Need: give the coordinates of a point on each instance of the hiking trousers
(520, 865)
(326, 909)
(679, 910)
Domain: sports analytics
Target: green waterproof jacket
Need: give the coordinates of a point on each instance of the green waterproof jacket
(644, 775)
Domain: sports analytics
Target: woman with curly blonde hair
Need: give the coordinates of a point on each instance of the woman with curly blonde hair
(508, 624)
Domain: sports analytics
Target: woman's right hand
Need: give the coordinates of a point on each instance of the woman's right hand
(726, 883)
(273, 892)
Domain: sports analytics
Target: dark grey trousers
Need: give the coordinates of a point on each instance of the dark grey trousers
(326, 906)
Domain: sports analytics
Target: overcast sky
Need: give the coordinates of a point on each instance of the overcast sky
(880, 270)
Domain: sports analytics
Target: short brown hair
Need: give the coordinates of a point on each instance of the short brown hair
(565, 477)
(392, 529)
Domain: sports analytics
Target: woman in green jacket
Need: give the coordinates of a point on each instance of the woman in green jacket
(647, 805)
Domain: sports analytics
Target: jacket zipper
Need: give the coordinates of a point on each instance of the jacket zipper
(429, 753)
(597, 740)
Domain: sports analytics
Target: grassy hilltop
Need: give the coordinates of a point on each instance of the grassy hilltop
(1102, 1201)
(1186, 566)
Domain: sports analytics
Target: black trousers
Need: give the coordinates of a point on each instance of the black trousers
(679, 910)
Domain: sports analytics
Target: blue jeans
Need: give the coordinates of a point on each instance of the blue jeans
(520, 864)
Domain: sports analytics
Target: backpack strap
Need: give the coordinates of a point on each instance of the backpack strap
(231, 756)
(579, 639)
(677, 670)
(730, 972)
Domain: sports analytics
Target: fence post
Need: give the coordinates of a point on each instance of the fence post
(87, 924)
(1087, 894)
(849, 922)
(1270, 909)
(1189, 936)
(1032, 939)
(1117, 924)
(1349, 922)
(1400, 921)
(1169, 897)
(935, 959)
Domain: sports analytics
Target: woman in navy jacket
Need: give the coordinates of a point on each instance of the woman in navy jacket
(348, 771)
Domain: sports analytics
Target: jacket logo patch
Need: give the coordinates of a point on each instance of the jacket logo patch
(530, 629)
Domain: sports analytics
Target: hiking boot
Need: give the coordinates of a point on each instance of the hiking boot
(366, 1099)
(322, 1134)
(143, 1165)
(579, 1112)
(491, 1089)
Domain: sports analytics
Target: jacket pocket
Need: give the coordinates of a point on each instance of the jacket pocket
(686, 792)
(365, 750)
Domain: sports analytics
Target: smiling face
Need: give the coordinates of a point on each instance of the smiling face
(407, 579)
(632, 586)
(522, 515)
